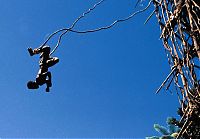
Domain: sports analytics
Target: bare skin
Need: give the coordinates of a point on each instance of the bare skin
(43, 76)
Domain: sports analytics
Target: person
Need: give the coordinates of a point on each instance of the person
(43, 76)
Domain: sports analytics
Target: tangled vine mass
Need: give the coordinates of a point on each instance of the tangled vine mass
(179, 22)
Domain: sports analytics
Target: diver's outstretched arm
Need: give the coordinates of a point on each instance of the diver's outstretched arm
(48, 81)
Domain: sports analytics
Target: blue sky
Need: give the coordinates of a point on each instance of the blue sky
(105, 82)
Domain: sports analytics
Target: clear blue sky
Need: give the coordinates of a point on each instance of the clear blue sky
(105, 83)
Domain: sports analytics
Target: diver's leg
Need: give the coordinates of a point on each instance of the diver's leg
(45, 49)
(52, 61)
(30, 50)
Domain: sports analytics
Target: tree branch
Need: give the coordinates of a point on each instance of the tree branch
(167, 78)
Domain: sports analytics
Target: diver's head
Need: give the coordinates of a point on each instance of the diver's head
(32, 85)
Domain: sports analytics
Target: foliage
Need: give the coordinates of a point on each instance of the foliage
(166, 133)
